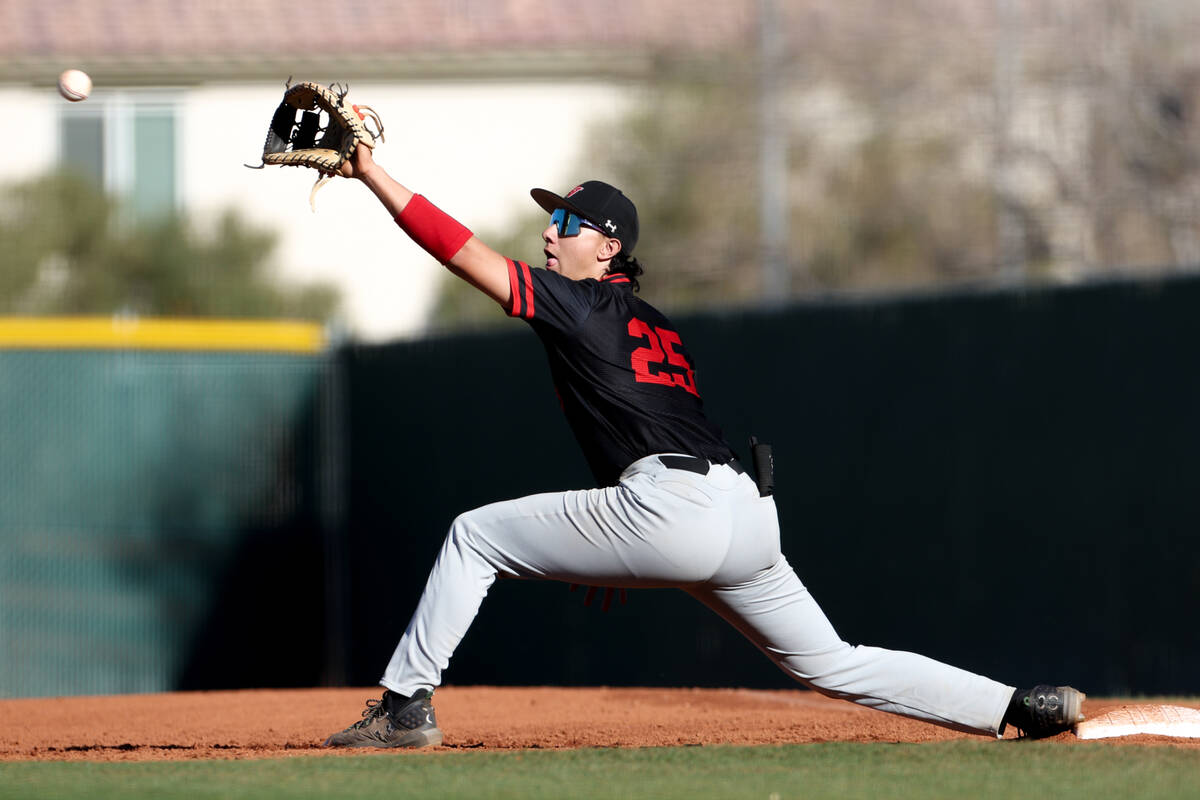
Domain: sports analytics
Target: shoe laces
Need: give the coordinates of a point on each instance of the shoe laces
(371, 713)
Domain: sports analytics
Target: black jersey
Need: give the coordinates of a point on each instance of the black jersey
(624, 379)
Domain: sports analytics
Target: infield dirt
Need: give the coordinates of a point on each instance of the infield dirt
(280, 723)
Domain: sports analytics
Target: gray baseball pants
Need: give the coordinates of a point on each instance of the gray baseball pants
(709, 535)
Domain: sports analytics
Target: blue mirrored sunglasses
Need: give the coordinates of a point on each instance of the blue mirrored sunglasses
(568, 224)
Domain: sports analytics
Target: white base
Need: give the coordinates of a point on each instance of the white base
(1157, 720)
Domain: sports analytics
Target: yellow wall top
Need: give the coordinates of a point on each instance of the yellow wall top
(139, 333)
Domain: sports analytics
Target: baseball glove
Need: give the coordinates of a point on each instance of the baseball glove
(297, 138)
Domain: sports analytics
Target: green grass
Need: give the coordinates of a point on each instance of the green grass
(961, 770)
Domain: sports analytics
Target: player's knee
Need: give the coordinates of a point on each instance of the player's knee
(465, 531)
(467, 540)
(461, 527)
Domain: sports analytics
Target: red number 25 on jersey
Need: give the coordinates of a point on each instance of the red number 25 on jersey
(661, 346)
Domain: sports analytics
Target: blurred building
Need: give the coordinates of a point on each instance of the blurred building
(775, 148)
(481, 100)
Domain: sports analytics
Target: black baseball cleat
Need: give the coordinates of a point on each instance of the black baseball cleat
(1044, 711)
(393, 721)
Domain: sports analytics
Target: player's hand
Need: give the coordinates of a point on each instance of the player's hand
(609, 591)
(359, 164)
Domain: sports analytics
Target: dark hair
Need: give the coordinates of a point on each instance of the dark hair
(626, 265)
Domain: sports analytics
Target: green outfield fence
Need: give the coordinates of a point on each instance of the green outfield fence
(1003, 480)
(142, 462)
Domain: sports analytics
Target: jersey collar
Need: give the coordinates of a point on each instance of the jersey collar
(615, 277)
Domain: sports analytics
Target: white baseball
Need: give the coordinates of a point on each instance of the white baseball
(75, 85)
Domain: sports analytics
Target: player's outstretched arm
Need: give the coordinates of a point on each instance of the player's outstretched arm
(473, 261)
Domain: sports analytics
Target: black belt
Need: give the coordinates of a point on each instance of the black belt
(697, 464)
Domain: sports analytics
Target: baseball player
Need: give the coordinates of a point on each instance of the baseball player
(673, 507)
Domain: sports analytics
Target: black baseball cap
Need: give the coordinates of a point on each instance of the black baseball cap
(598, 203)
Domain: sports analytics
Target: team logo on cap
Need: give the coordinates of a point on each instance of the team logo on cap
(610, 225)
(575, 191)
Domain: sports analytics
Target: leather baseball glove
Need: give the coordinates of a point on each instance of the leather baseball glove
(297, 137)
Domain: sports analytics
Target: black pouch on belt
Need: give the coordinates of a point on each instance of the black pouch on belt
(764, 466)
